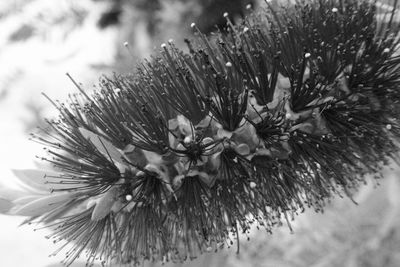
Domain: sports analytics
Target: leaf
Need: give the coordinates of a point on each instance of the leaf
(104, 204)
(34, 179)
(43, 205)
(5, 205)
(26, 199)
(11, 194)
(104, 146)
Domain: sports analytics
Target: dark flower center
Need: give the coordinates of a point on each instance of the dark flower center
(194, 151)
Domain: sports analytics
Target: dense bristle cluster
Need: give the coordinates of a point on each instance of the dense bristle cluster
(252, 126)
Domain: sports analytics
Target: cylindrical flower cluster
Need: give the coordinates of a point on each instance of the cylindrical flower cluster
(250, 127)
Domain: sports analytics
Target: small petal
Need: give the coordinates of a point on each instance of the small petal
(180, 147)
(263, 152)
(214, 161)
(207, 179)
(153, 158)
(247, 134)
(104, 204)
(163, 174)
(283, 82)
(173, 124)
(169, 158)
(135, 155)
(117, 206)
(104, 146)
(242, 149)
(184, 125)
(129, 148)
(177, 181)
(207, 140)
(204, 122)
(343, 84)
(203, 160)
(222, 133)
(306, 127)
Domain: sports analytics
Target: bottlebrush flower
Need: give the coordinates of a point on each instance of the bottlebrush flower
(277, 114)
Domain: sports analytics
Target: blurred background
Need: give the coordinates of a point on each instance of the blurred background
(41, 40)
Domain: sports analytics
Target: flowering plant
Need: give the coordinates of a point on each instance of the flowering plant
(250, 127)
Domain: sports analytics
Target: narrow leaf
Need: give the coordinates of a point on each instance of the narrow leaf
(5, 205)
(43, 205)
(11, 194)
(34, 179)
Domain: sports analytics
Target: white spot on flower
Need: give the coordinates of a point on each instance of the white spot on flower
(253, 185)
(389, 126)
(187, 139)
(334, 10)
(228, 64)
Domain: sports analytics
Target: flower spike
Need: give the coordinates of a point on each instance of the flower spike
(251, 127)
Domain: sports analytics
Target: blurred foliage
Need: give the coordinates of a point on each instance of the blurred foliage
(210, 16)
